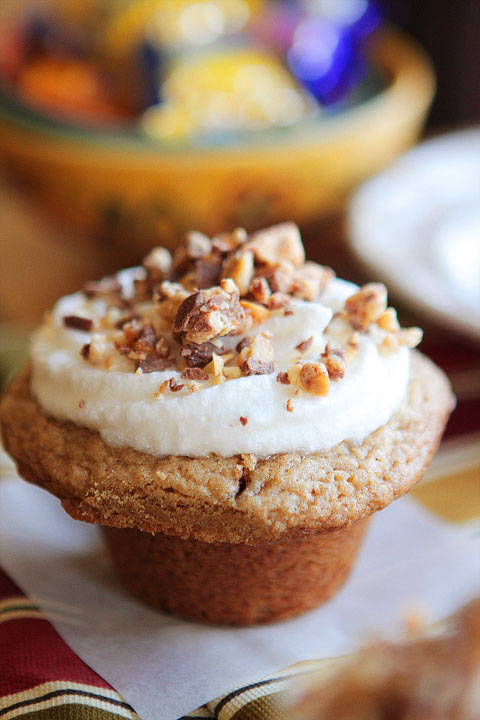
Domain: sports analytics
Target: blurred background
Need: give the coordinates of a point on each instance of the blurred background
(124, 123)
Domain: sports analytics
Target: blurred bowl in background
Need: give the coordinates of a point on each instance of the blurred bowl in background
(129, 192)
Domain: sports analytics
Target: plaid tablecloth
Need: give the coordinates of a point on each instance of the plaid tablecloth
(41, 678)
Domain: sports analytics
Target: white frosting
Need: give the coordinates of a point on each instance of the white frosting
(123, 408)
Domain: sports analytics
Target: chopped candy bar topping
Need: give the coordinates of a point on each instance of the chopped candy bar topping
(184, 313)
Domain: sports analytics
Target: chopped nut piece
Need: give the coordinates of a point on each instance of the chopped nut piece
(94, 351)
(229, 286)
(282, 377)
(194, 246)
(388, 320)
(200, 355)
(111, 318)
(314, 378)
(163, 386)
(305, 345)
(197, 244)
(257, 313)
(239, 235)
(78, 323)
(257, 358)
(194, 386)
(405, 337)
(208, 314)
(131, 330)
(102, 288)
(243, 343)
(279, 301)
(140, 343)
(293, 373)
(175, 386)
(390, 343)
(279, 242)
(410, 337)
(290, 405)
(353, 344)
(280, 277)
(354, 341)
(207, 271)
(194, 373)
(167, 289)
(169, 296)
(132, 355)
(334, 360)
(239, 267)
(366, 306)
(215, 367)
(143, 289)
(158, 264)
(310, 280)
(98, 345)
(162, 348)
(260, 290)
(81, 404)
(154, 363)
(232, 373)
(146, 340)
(124, 320)
(243, 420)
(122, 349)
(227, 242)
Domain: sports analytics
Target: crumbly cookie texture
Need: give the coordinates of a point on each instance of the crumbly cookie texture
(239, 499)
(428, 676)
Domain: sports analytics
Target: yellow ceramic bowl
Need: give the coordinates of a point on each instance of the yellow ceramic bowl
(130, 191)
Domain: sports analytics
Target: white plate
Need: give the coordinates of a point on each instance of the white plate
(417, 227)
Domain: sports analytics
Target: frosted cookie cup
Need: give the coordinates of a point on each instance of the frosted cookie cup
(232, 417)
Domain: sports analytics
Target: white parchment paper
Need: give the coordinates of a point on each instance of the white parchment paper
(166, 667)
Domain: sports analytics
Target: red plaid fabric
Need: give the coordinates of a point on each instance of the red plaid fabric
(40, 677)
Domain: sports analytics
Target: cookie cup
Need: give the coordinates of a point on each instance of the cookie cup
(234, 584)
(237, 540)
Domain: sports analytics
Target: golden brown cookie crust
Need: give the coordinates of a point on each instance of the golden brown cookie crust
(236, 499)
